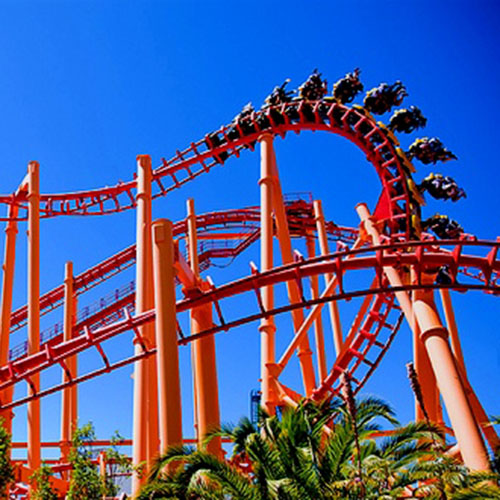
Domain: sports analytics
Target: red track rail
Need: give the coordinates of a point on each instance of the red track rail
(301, 219)
(425, 256)
(354, 123)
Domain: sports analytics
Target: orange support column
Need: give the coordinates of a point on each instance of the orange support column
(205, 365)
(6, 306)
(68, 404)
(370, 228)
(435, 338)
(478, 410)
(425, 374)
(267, 327)
(101, 459)
(34, 452)
(426, 379)
(452, 327)
(169, 386)
(73, 369)
(206, 379)
(318, 324)
(145, 431)
(332, 305)
(304, 352)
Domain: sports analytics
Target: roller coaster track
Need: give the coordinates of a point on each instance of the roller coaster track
(426, 256)
(246, 220)
(398, 246)
(354, 123)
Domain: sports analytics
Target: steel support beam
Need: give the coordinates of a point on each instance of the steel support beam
(267, 326)
(34, 451)
(205, 365)
(6, 304)
(422, 312)
(427, 381)
(69, 395)
(304, 352)
(452, 328)
(166, 337)
(479, 413)
(332, 306)
(318, 323)
(435, 339)
(145, 425)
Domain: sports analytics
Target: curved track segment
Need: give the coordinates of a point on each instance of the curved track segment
(246, 220)
(354, 123)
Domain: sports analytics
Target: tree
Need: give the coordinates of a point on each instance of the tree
(85, 483)
(116, 463)
(328, 451)
(6, 468)
(40, 479)
(310, 452)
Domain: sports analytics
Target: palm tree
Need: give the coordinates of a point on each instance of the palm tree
(327, 451)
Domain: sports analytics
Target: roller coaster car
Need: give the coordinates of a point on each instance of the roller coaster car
(407, 165)
(273, 104)
(415, 226)
(407, 120)
(430, 151)
(364, 127)
(444, 276)
(443, 227)
(307, 110)
(414, 192)
(362, 111)
(337, 111)
(346, 89)
(292, 111)
(341, 116)
(242, 124)
(442, 188)
(212, 141)
(387, 131)
(383, 98)
(314, 88)
(279, 95)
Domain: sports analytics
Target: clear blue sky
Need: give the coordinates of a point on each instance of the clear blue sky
(88, 85)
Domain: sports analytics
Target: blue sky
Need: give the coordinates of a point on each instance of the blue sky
(88, 85)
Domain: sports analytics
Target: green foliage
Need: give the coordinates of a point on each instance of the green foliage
(327, 451)
(116, 463)
(6, 468)
(86, 482)
(40, 479)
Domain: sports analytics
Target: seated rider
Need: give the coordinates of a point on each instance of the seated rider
(247, 110)
(346, 89)
(443, 227)
(314, 88)
(279, 95)
(444, 276)
(442, 188)
(430, 150)
(383, 98)
(407, 120)
(242, 121)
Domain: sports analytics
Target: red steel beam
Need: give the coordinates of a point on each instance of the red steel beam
(125, 258)
(375, 141)
(337, 264)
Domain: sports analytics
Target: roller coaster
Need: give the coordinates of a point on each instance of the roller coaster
(398, 263)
